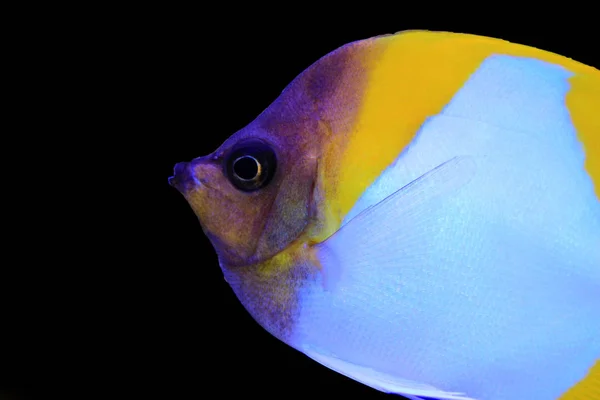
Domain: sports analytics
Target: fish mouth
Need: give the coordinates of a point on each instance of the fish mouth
(183, 178)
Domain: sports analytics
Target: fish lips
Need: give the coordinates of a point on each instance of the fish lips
(183, 178)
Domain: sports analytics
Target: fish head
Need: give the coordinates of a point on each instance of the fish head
(275, 181)
(253, 194)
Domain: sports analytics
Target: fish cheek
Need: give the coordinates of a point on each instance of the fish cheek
(290, 212)
(231, 219)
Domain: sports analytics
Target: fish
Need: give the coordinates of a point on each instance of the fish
(420, 212)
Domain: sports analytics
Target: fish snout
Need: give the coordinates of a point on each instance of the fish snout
(183, 178)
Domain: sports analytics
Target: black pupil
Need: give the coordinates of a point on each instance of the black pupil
(246, 168)
(250, 166)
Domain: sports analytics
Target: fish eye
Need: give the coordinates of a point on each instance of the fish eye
(247, 168)
(251, 166)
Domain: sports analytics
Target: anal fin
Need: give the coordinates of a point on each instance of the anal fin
(382, 381)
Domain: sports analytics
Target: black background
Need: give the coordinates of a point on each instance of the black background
(167, 325)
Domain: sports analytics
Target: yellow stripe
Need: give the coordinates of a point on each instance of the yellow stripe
(413, 75)
(588, 388)
(583, 101)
